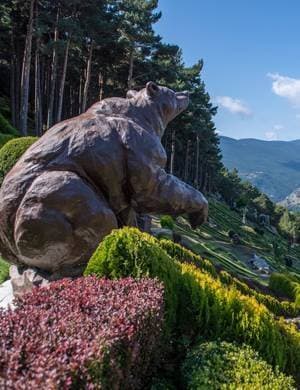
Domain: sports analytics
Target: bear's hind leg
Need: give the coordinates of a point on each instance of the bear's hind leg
(60, 222)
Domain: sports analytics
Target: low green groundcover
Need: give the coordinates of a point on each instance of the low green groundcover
(222, 365)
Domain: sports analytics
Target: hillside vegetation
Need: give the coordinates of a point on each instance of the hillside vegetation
(212, 241)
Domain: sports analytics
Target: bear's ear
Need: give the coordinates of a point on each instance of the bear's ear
(152, 89)
(131, 94)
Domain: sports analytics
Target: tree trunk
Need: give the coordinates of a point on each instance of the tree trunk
(87, 78)
(38, 93)
(197, 164)
(101, 85)
(53, 75)
(172, 152)
(130, 72)
(80, 95)
(187, 159)
(26, 72)
(13, 90)
(62, 83)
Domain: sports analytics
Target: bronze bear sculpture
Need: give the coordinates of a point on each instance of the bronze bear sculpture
(88, 175)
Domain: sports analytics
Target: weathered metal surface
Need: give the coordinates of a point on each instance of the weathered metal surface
(88, 175)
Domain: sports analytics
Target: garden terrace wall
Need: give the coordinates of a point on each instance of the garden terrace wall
(86, 333)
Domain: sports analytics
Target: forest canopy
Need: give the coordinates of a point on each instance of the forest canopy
(58, 57)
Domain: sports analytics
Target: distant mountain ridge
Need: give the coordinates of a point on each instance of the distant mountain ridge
(273, 166)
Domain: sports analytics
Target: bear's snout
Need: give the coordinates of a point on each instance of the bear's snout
(182, 100)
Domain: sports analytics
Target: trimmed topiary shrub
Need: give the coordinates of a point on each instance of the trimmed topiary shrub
(222, 365)
(224, 313)
(82, 334)
(11, 152)
(167, 222)
(283, 284)
(184, 255)
(277, 307)
(129, 252)
(197, 302)
(4, 270)
(4, 138)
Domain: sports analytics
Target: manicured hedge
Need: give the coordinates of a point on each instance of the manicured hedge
(279, 308)
(182, 254)
(204, 305)
(166, 221)
(4, 138)
(11, 152)
(283, 284)
(222, 365)
(82, 334)
(224, 313)
(129, 252)
(4, 271)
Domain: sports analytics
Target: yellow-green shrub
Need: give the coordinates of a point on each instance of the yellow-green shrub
(197, 301)
(284, 308)
(4, 138)
(129, 252)
(222, 365)
(11, 152)
(183, 255)
(224, 313)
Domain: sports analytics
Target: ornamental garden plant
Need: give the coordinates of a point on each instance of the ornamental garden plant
(207, 306)
(83, 334)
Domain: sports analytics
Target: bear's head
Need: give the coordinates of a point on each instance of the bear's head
(159, 105)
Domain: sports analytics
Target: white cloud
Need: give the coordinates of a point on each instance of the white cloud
(235, 106)
(286, 87)
(278, 127)
(271, 136)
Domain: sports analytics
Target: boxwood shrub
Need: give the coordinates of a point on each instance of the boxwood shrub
(83, 334)
(197, 302)
(129, 252)
(4, 138)
(286, 285)
(225, 313)
(11, 152)
(182, 254)
(222, 365)
(167, 222)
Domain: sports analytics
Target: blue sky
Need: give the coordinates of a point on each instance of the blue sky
(251, 53)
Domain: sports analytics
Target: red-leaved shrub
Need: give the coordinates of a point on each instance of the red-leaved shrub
(87, 333)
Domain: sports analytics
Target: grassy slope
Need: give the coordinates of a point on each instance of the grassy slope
(212, 242)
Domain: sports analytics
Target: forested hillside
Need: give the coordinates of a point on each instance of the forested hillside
(272, 166)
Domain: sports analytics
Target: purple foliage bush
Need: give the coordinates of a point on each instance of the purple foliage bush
(88, 333)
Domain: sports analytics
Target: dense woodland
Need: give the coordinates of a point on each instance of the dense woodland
(59, 57)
